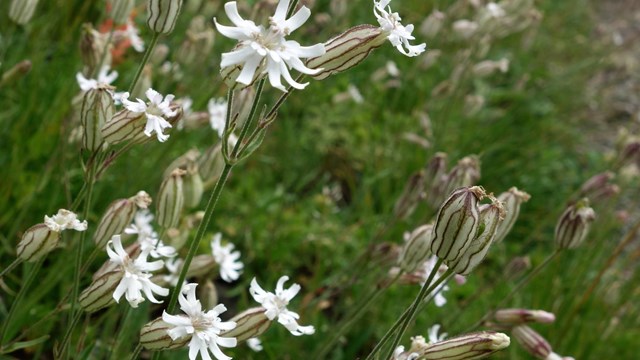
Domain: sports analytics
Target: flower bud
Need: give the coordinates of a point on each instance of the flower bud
(208, 295)
(467, 347)
(211, 164)
(97, 108)
(36, 242)
(120, 10)
(411, 196)
(465, 28)
(198, 43)
(21, 11)
(465, 173)
(163, 14)
(511, 200)
(201, 265)
(596, 184)
(249, 324)
(171, 199)
(193, 187)
(489, 67)
(574, 224)
(416, 250)
(119, 214)
(347, 50)
(127, 125)
(531, 341)
(16, 72)
(517, 266)
(434, 174)
(457, 223)
(94, 50)
(154, 336)
(432, 24)
(490, 217)
(100, 293)
(521, 316)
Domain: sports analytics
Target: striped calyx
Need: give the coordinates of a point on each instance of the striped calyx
(154, 336)
(411, 196)
(347, 50)
(119, 214)
(249, 324)
(471, 346)
(531, 341)
(416, 249)
(434, 175)
(120, 10)
(163, 14)
(21, 11)
(465, 173)
(171, 199)
(94, 50)
(36, 242)
(511, 201)
(100, 293)
(211, 164)
(97, 109)
(126, 125)
(521, 316)
(491, 215)
(457, 223)
(574, 224)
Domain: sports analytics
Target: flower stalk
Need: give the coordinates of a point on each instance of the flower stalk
(145, 59)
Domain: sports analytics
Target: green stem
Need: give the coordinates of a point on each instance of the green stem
(67, 335)
(426, 290)
(96, 71)
(350, 320)
(11, 266)
(136, 352)
(18, 299)
(519, 286)
(249, 120)
(145, 59)
(115, 349)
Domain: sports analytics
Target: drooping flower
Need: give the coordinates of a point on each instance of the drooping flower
(147, 237)
(155, 111)
(63, 220)
(434, 334)
(398, 34)
(203, 327)
(276, 305)
(266, 48)
(131, 33)
(137, 274)
(227, 259)
(104, 78)
(255, 344)
(217, 114)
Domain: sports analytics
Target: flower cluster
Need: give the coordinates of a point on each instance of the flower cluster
(155, 111)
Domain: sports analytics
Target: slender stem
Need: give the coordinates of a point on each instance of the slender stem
(18, 299)
(105, 49)
(79, 197)
(249, 120)
(145, 59)
(11, 266)
(67, 335)
(350, 320)
(519, 286)
(426, 290)
(136, 352)
(115, 349)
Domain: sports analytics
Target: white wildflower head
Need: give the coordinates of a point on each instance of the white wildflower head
(131, 33)
(227, 259)
(203, 327)
(495, 10)
(435, 335)
(217, 114)
(104, 78)
(276, 305)
(136, 275)
(147, 237)
(267, 48)
(400, 354)
(398, 34)
(254, 344)
(64, 220)
(173, 267)
(155, 110)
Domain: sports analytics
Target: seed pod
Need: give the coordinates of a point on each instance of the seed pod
(208, 295)
(531, 341)
(16, 72)
(154, 336)
(249, 324)
(466, 347)
(119, 214)
(411, 196)
(465, 173)
(434, 175)
(432, 24)
(163, 14)
(416, 250)
(201, 265)
(94, 50)
(596, 184)
(211, 164)
(36, 242)
(100, 293)
(120, 10)
(490, 217)
(171, 199)
(347, 50)
(193, 187)
(521, 316)
(182, 162)
(574, 224)
(97, 108)
(21, 11)
(512, 200)
(198, 42)
(457, 223)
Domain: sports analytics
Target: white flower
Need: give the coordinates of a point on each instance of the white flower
(276, 305)
(131, 33)
(154, 110)
(254, 344)
(398, 34)
(258, 46)
(400, 354)
(64, 220)
(203, 327)
(147, 237)
(434, 337)
(173, 266)
(104, 78)
(227, 259)
(136, 278)
(495, 10)
(217, 114)
(437, 294)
